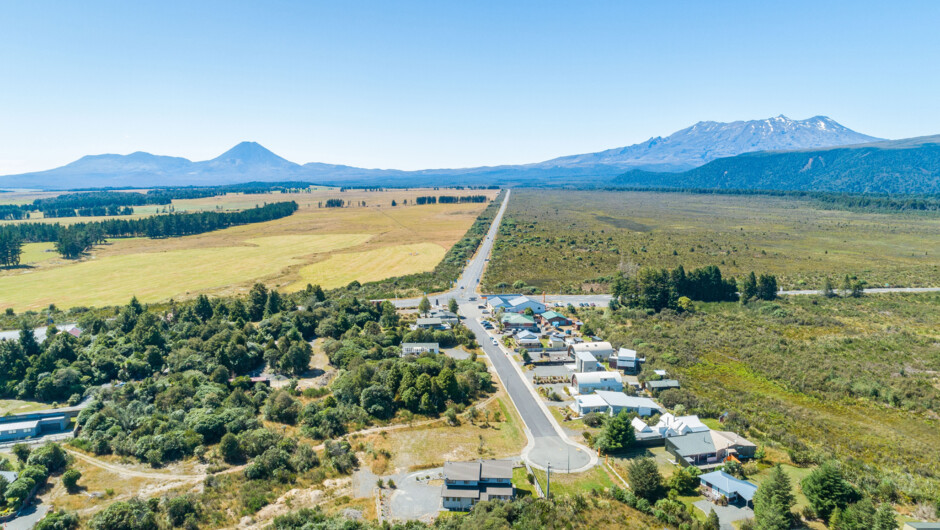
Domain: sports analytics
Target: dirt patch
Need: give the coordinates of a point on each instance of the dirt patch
(627, 224)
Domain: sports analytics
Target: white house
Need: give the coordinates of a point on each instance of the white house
(611, 403)
(417, 348)
(589, 382)
(670, 425)
(627, 360)
(585, 362)
(527, 339)
(556, 341)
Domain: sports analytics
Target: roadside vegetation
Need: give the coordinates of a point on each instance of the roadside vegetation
(444, 274)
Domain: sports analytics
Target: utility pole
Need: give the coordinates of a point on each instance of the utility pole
(548, 482)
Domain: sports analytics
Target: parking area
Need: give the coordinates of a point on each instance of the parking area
(418, 495)
(727, 515)
(456, 353)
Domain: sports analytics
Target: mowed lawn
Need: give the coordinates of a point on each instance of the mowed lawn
(328, 246)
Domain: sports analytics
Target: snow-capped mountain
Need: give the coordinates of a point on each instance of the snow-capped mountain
(707, 140)
(248, 161)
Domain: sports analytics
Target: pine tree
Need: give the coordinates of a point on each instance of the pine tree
(749, 287)
(885, 518)
(424, 306)
(827, 288)
(28, 340)
(846, 286)
(773, 501)
(712, 523)
(826, 490)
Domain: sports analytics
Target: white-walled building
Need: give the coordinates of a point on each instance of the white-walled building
(590, 382)
(417, 348)
(611, 403)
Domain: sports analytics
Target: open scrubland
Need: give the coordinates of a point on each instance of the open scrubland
(576, 241)
(857, 379)
(327, 246)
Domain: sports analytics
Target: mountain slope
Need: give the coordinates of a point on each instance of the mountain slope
(708, 140)
(249, 161)
(900, 166)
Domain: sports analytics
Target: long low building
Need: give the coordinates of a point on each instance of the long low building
(417, 348)
(23, 429)
(612, 403)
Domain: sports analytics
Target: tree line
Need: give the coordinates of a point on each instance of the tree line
(827, 199)
(71, 241)
(659, 289)
(109, 202)
(448, 199)
(11, 247)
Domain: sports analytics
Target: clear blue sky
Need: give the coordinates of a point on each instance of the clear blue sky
(446, 84)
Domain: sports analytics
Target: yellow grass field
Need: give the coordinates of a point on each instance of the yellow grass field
(371, 265)
(328, 246)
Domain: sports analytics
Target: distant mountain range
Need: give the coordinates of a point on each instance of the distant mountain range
(894, 166)
(684, 150)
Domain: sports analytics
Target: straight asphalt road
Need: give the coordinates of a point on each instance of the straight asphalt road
(547, 442)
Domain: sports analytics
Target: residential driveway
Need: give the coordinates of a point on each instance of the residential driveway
(28, 517)
(726, 514)
(457, 353)
(416, 497)
(557, 370)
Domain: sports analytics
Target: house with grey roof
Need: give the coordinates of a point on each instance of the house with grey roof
(662, 384)
(467, 483)
(611, 403)
(430, 323)
(708, 449)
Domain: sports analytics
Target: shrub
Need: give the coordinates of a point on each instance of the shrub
(70, 480)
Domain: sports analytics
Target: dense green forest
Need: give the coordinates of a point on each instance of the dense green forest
(888, 167)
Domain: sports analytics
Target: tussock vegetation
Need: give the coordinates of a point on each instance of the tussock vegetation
(857, 379)
(575, 241)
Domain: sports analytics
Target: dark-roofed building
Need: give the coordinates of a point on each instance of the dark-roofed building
(662, 384)
(709, 448)
(467, 483)
(430, 323)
